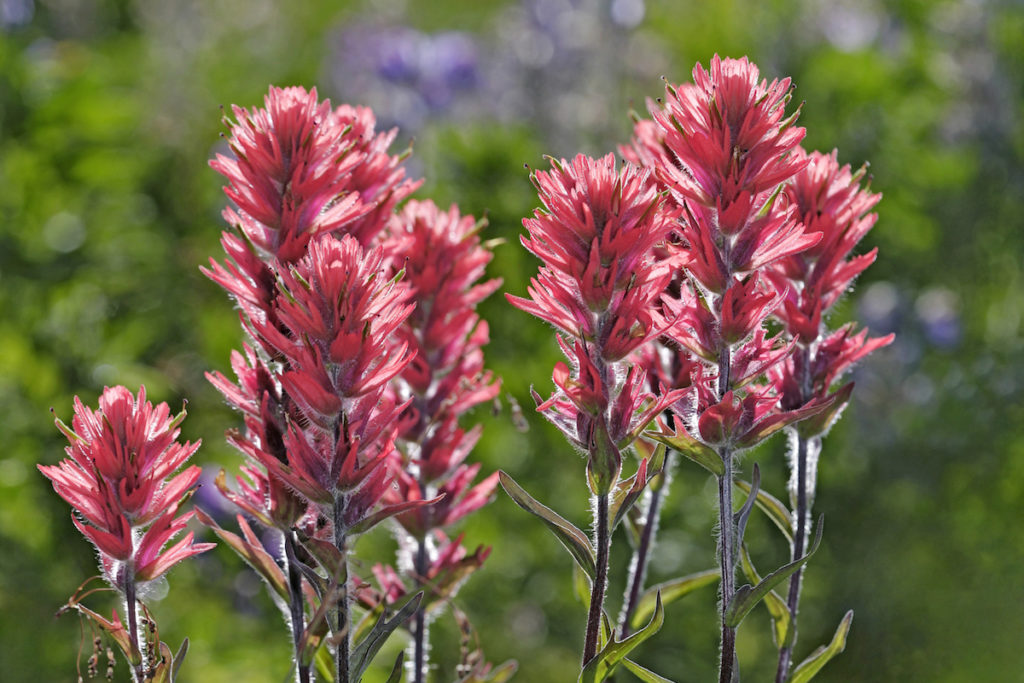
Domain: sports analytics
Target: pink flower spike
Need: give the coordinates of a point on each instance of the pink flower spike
(120, 481)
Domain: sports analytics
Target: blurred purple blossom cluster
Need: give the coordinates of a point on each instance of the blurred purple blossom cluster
(554, 64)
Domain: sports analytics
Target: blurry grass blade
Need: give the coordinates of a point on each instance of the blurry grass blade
(744, 514)
(820, 657)
(645, 675)
(613, 652)
(773, 508)
(777, 607)
(668, 592)
(746, 597)
(574, 540)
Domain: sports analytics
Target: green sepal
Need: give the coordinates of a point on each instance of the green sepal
(611, 655)
(820, 657)
(774, 508)
(574, 540)
(700, 453)
(628, 491)
(643, 674)
(668, 592)
(777, 608)
(820, 423)
(747, 596)
(364, 652)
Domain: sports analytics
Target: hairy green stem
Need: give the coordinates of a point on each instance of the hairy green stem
(296, 606)
(130, 603)
(600, 580)
(341, 633)
(642, 554)
(420, 660)
(802, 512)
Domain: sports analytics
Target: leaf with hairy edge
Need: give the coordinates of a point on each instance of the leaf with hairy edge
(746, 597)
(364, 652)
(670, 591)
(683, 443)
(777, 607)
(396, 670)
(645, 675)
(251, 550)
(574, 540)
(820, 423)
(774, 508)
(611, 655)
(820, 657)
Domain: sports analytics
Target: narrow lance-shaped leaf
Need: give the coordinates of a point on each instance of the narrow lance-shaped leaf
(574, 540)
(774, 508)
(645, 675)
(670, 591)
(777, 607)
(611, 655)
(251, 550)
(820, 657)
(364, 652)
(746, 597)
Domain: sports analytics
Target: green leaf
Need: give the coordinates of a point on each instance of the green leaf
(607, 660)
(746, 597)
(670, 591)
(683, 443)
(364, 652)
(574, 540)
(396, 670)
(773, 508)
(777, 607)
(643, 674)
(820, 657)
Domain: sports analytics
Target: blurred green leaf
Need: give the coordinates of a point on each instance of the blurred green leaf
(777, 607)
(670, 591)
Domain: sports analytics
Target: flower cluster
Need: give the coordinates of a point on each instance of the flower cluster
(828, 199)
(121, 478)
(600, 285)
(724, 147)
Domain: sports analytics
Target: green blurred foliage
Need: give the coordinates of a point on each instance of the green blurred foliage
(109, 111)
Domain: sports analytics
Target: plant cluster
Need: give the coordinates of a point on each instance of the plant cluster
(689, 287)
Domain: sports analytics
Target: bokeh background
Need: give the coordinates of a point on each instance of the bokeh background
(109, 110)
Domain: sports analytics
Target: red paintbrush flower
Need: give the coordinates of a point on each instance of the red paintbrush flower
(289, 178)
(121, 481)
